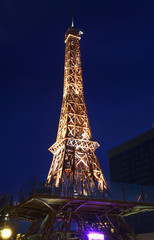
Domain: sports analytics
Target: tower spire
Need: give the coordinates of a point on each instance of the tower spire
(72, 17)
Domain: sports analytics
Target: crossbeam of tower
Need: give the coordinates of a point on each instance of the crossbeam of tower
(75, 169)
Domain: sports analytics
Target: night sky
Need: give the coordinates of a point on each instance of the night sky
(117, 50)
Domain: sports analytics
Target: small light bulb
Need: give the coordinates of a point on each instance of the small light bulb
(6, 233)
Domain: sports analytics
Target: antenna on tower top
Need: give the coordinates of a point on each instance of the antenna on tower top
(72, 18)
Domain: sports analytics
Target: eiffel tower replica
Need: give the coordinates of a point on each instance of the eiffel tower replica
(75, 169)
(74, 203)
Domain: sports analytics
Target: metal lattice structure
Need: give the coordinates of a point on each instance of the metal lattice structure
(75, 199)
(75, 169)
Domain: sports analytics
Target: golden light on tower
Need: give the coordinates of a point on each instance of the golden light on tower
(75, 168)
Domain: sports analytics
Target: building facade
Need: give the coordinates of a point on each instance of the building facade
(131, 168)
(133, 161)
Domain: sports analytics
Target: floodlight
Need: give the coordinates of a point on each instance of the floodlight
(95, 236)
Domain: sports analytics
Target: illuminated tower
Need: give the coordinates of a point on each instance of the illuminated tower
(75, 170)
(73, 203)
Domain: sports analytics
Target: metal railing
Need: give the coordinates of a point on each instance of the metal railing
(132, 192)
(9, 199)
(119, 191)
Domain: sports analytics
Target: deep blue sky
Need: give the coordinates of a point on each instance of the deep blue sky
(117, 51)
